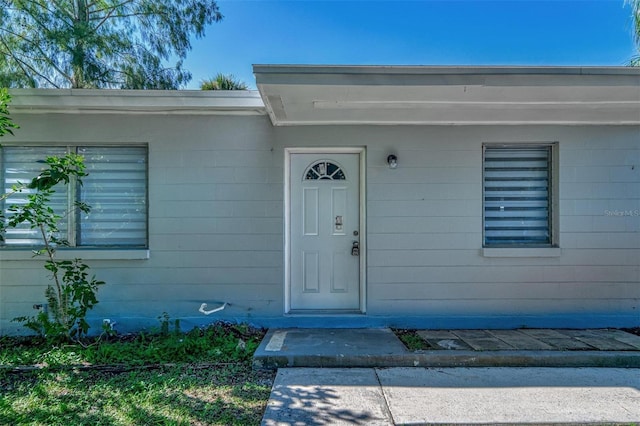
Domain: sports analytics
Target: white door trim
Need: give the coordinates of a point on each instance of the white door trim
(287, 217)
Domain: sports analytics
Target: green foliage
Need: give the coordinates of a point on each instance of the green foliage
(164, 324)
(230, 394)
(73, 292)
(635, 16)
(66, 310)
(218, 343)
(200, 377)
(6, 124)
(411, 340)
(100, 43)
(223, 82)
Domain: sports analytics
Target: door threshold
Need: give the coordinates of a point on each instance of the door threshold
(332, 312)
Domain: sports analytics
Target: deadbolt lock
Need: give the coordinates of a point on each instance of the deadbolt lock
(355, 249)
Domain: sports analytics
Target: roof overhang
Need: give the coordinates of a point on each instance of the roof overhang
(425, 95)
(107, 101)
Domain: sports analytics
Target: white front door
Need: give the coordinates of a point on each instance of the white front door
(324, 231)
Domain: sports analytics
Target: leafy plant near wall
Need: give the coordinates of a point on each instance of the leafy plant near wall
(6, 126)
(72, 293)
(5, 121)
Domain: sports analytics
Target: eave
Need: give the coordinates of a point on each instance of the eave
(148, 102)
(394, 95)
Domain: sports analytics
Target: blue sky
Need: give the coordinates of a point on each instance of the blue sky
(414, 32)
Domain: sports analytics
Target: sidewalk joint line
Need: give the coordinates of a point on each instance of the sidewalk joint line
(386, 408)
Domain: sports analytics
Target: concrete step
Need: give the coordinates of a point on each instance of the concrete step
(337, 348)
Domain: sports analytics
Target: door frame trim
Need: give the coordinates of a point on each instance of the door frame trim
(288, 152)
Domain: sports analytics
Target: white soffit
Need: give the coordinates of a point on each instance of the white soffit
(316, 95)
(110, 101)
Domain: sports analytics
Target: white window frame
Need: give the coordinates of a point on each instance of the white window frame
(116, 251)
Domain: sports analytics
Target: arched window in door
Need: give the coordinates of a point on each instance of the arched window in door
(324, 170)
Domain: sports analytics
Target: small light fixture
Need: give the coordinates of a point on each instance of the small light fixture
(392, 160)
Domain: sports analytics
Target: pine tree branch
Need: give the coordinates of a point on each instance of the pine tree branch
(42, 25)
(61, 6)
(112, 8)
(41, 5)
(42, 52)
(127, 15)
(24, 66)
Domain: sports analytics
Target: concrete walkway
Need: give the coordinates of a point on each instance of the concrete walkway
(403, 396)
(448, 348)
(573, 392)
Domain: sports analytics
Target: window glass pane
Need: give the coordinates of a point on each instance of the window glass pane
(116, 190)
(516, 196)
(324, 170)
(21, 165)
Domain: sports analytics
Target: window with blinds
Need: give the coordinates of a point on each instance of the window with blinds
(517, 196)
(116, 190)
(20, 166)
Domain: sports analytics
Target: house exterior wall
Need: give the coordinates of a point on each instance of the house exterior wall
(215, 221)
(425, 262)
(216, 226)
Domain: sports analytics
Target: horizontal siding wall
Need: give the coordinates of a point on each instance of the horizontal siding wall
(215, 221)
(424, 222)
(216, 224)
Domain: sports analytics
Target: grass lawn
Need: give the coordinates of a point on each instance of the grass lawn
(203, 377)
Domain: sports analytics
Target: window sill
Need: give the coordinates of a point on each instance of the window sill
(85, 254)
(522, 252)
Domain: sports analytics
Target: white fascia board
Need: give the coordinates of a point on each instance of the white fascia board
(390, 95)
(108, 101)
(281, 123)
(265, 69)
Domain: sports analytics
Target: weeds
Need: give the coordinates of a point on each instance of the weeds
(411, 340)
(221, 342)
(201, 377)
